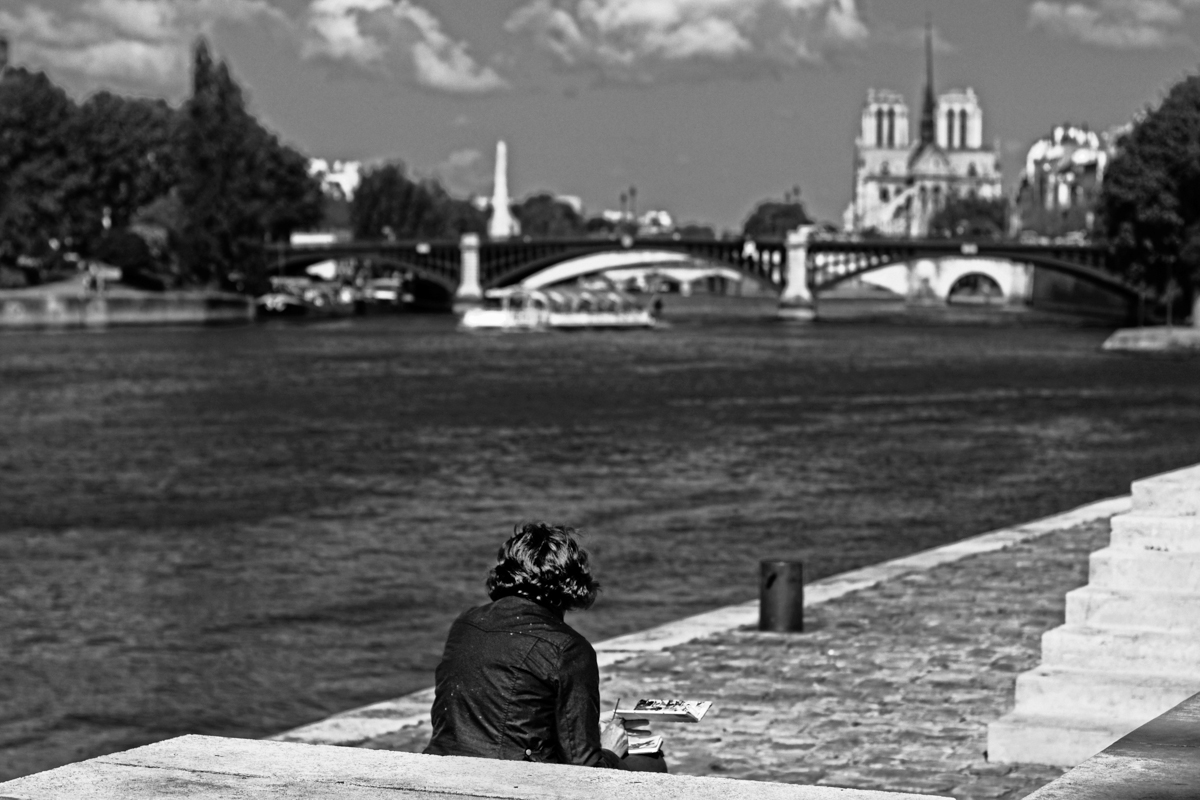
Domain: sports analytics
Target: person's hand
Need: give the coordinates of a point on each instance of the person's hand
(612, 737)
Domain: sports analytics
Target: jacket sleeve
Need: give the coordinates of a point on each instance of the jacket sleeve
(578, 708)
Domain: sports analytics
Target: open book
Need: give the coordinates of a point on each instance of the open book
(665, 711)
(637, 719)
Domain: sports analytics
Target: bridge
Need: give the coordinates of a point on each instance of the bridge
(799, 268)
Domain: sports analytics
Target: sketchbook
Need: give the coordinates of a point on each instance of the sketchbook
(666, 710)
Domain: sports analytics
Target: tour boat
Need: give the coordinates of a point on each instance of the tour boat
(520, 309)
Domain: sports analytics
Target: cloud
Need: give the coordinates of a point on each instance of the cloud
(390, 37)
(141, 44)
(912, 38)
(464, 172)
(648, 40)
(1119, 24)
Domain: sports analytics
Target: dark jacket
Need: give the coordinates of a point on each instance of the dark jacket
(518, 683)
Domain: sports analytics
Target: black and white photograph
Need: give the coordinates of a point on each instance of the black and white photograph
(780, 399)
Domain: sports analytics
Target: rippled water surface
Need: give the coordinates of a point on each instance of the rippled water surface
(237, 531)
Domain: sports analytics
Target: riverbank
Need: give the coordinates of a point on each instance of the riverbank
(890, 687)
(70, 304)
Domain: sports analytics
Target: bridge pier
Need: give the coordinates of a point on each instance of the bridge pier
(469, 292)
(797, 301)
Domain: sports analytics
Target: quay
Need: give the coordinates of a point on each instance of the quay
(901, 667)
(69, 304)
(889, 692)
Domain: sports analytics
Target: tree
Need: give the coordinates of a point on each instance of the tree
(543, 216)
(390, 204)
(123, 149)
(773, 219)
(239, 185)
(1149, 204)
(36, 177)
(970, 218)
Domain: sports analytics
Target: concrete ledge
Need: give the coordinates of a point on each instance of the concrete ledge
(359, 725)
(213, 767)
(1159, 760)
(1154, 340)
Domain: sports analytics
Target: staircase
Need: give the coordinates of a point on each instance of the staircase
(1130, 648)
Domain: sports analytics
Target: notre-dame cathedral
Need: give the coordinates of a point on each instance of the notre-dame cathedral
(899, 184)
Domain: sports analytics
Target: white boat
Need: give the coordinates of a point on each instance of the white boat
(560, 308)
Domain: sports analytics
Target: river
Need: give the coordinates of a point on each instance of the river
(236, 531)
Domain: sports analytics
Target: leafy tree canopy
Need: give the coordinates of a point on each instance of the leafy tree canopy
(239, 185)
(37, 121)
(390, 204)
(970, 218)
(543, 216)
(1149, 205)
(774, 219)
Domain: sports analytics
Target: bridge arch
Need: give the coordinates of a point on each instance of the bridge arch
(979, 287)
(304, 260)
(765, 262)
(1007, 276)
(672, 261)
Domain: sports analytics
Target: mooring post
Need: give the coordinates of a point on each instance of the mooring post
(469, 292)
(781, 596)
(797, 301)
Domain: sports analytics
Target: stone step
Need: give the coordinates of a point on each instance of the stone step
(1026, 739)
(1137, 570)
(1098, 607)
(1122, 650)
(1158, 533)
(1101, 697)
(1169, 494)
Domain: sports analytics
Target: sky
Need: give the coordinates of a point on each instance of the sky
(705, 106)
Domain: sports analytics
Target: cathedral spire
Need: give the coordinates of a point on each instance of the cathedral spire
(929, 108)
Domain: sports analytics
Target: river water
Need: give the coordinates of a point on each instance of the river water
(237, 531)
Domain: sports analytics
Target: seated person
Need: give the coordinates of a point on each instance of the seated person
(516, 681)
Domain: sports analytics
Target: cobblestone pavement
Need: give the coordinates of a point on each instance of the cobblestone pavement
(888, 688)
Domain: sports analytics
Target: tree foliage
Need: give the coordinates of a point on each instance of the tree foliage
(124, 154)
(1149, 205)
(773, 219)
(239, 185)
(970, 218)
(37, 120)
(390, 204)
(543, 216)
(74, 177)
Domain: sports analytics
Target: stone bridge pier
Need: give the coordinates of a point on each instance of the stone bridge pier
(796, 300)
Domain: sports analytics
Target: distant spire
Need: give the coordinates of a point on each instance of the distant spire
(501, 225)
(3, 51)
(929, 108)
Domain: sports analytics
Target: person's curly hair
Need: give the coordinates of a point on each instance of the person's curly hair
(544, 563)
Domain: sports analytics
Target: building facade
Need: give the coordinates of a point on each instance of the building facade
(901, 181)
(1061, 180)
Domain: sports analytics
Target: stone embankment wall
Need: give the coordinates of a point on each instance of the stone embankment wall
(22, 310)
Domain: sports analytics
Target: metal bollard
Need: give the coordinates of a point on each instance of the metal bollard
(781, 596)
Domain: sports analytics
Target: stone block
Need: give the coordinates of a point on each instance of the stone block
(1122, 650)
(1097, 697)
(210, 767)
(1156, 533)
(1025, 739)
(1169, 494)
(1112, 608)
(1134, 570)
